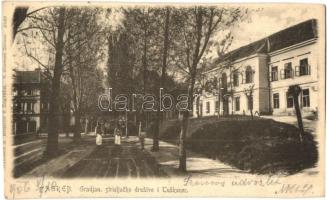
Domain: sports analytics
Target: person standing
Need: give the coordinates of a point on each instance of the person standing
(142, 135)
(118, 133)
(98, 134)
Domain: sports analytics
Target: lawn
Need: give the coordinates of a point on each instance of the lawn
(261, 146)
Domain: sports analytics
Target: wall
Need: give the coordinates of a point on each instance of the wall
(258, 64)
(294, 55)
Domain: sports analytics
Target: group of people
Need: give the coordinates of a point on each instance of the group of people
(118, 132)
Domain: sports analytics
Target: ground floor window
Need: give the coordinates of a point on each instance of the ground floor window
(23, 126)
(305, 98)
(208, 107)
(276, 100)
(290, 101)
(237, 103)
(32, 126)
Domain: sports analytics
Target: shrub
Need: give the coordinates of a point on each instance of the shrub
(172, 132)
(260, 146)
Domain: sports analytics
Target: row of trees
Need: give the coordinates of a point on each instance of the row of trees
(172, 42)
(150, 47)
(66, 43)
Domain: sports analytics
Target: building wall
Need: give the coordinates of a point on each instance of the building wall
(294, 55)
(264, 88)
(26, 108)
(258, 64)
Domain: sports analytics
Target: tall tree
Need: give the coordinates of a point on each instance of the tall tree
(162, 78)
(83, 53)
(134, 54)
(198, 25)
(52, 142)
(45, 36)
(47, 29)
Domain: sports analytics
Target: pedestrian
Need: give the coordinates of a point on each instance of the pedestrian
(118, 133)
(142, 135)
(98, 139)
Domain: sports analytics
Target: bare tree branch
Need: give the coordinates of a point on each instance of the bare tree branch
(33, 57)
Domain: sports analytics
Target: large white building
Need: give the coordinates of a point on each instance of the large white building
(266, 68)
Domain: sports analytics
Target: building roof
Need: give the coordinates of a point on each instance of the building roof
(293, 35)
(27, 76)
(290, 36)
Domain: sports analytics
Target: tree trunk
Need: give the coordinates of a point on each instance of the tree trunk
(251, 111)
(66, 124)
(184, 129)
(86, 128)
(182, 139)
(52, 142)
(77, 127)
(144, 116)
(126, 124)
(162, 81)
(299, 116)
(20, 14)
(295, 91)
(198, 107)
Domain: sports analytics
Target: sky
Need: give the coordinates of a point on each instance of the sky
(267, 21)
(262, 22)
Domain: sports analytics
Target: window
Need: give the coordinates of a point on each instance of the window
(208, 107)
(224, 81)
(235, 79)
(31, 126)
(217, 106)
(250, 102)
(288, 70)
(290, 101)
(44, 106)
(237, 103)
(248, 75)
(305, 98)
(274, 73)
(29, 92)
(22, 107)
(276, 100)
(304, 67)
(29, 106)
(17, 107)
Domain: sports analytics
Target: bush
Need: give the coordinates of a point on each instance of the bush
(171, 132)
(260, 146)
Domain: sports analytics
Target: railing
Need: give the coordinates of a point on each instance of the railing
(298, 72)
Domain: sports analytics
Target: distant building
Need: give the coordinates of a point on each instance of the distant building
(270, 66)
(30, 102)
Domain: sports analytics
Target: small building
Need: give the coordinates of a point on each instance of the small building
(258, 75)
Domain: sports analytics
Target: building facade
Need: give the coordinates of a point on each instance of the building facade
(256, 77)
(30, 102)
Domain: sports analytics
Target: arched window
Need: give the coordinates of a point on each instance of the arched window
(224, 81)
(248, 75)
(235, 79)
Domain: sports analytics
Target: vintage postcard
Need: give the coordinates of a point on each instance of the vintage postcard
(163, 100)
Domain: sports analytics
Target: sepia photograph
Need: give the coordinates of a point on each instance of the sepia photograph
(173, 100)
